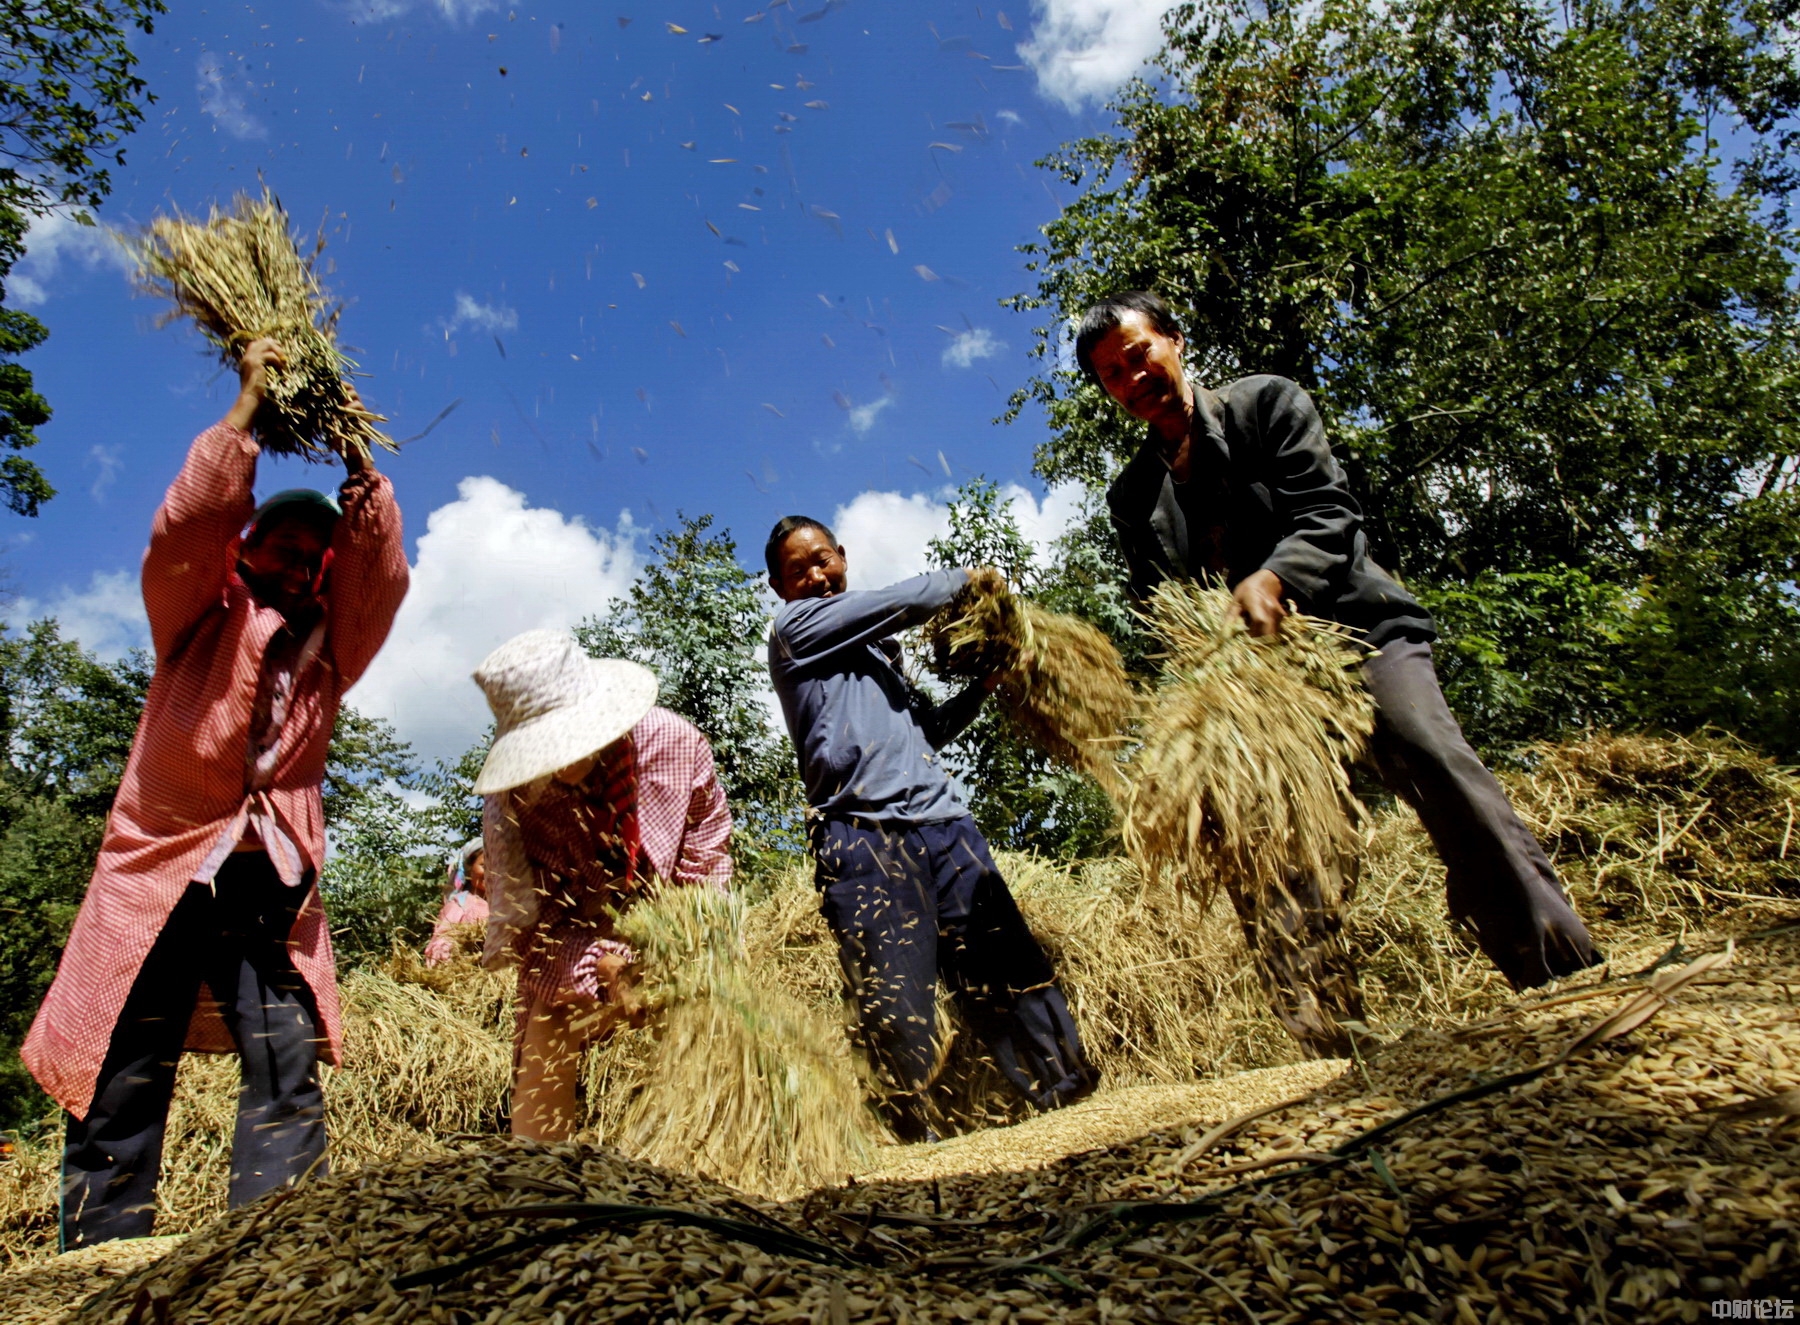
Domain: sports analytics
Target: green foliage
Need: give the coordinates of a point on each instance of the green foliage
(393, 829)
(68, 95)
(1021, 800)
(696, 618)
(1550, 325)
(66, 724)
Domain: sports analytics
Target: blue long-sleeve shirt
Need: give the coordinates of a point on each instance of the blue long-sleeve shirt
(867, 740)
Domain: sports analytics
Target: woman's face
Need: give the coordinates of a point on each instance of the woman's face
(475, 874)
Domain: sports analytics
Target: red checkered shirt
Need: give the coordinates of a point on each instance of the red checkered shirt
(185, 781)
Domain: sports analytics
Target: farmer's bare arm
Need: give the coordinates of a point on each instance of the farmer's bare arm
(356, 461)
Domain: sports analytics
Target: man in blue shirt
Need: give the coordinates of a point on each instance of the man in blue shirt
(905, 878)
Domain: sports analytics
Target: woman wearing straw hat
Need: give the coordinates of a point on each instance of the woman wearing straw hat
(593, 796)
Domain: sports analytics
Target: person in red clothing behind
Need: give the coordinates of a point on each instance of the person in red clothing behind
(207, 876)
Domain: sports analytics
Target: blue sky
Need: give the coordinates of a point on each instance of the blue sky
(682, 257)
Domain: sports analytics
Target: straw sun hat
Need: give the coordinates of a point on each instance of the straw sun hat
(554, 706)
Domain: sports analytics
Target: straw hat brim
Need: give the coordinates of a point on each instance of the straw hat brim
(623, 692)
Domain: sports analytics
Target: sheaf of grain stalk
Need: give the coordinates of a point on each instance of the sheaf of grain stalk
(1064, 682)
(240, 276)
(744, 1083)
(1242, 776)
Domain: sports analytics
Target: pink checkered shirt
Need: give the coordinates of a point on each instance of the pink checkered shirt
(184, 784)
(684, 835)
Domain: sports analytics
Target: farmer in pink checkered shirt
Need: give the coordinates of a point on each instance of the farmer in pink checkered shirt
(594, 796)
(202, 926)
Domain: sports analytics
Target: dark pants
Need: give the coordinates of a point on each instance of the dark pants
(909, 905)
(1499, 882)
(236, 942)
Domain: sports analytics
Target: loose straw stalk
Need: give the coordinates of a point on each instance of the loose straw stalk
(1242, 772)
(240, 276)
(745, 1083)
(1063, 681)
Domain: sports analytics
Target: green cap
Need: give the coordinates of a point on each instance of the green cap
(310, 503)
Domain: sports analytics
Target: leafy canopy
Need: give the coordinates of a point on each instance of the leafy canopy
(1533, 263)
(68, 97)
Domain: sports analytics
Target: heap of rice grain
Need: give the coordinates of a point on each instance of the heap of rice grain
(1241, 779)
(1063, 681)
(1608, 1180)
(240, 276)
(743, 1082)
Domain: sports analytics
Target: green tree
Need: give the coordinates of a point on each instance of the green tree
(68, 96)
(1551, 326)
(696, 618)
(1020, 799)
(66, 725)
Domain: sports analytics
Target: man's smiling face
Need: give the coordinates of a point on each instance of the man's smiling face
(1140, 367)
(809, 566)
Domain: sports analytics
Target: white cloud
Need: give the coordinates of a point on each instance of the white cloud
(471, 312)
(107, 617)
(885, 534)
(222, 97)
(1011, 117)
(455, 11)
(489, 566)
(1083, 50)
(862, 417)
(109, 461)
(968, 346)
(50, 242)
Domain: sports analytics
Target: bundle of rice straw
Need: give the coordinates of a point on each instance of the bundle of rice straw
(240, 276)
(1241, 782)
(745, 1084)
(1064, 682)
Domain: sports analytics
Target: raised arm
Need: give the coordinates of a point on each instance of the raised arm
(191, 539)
(816, 628)
(943, 723)
(369, 575)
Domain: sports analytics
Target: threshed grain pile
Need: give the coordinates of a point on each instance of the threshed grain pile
(1622, 1150)
(1658, 840)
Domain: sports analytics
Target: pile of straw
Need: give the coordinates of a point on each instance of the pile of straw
(1242, 776)
(1063, 682)
(743, 1082)
(240, 276)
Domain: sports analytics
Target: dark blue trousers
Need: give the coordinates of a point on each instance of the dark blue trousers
(235, 940)
(909, 905)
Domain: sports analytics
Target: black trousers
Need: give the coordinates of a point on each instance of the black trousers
(235, 940)
(1499, 882)
(908, 905)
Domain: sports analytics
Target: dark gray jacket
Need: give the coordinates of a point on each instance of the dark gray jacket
(1264, 492)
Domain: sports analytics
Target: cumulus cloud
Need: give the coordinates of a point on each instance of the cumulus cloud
(862, 417)
(107, 617)
(968, 346)
(221, 91)
(885, 534)
(1083, 50)
(471, 312)
(53, 240)
(489, 566)
(455, 11)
